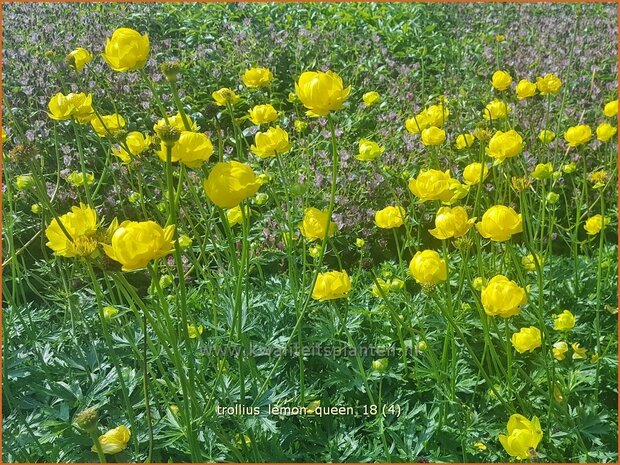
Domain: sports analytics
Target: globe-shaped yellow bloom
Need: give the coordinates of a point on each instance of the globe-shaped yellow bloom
(261, 114)
(578, 135)
(502, 297)
(428, 268)
(78, 106)
(523, 435)
(135, 243)
(81, 224)
(433, 185)
(229, 183)
(527, 339)
(369, 150)
(548, 84)
(451, 223)
(390, 217)
(257, 77)
(546, 136)
(114, 440)
(225, 96)
(595, 224)
(192, 149)
(543, 171)
(370, 98)
(331, 285)
(79, 58)
(270, 143)
(321, 92)
(136, 142)
(605, 132)
(501, 80)
(505, 145)
(235, 216)
(525, 89)
(611, 109)
(474, 173)
(529, 261)
(24, 182)
(127, 50)
(497, 109)
(565, 321)
(464, 141)
(499, 223)
(433, 136)
(175, 121)
(314, 224)
(108, 125)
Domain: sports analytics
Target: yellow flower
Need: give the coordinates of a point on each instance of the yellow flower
(481, 446)
(427, 267)
(611, 108)
(321, 92)
(24, 182)
(529, 262)
(499, 223)
(71, 106)
(578, 351)
(370, 98)
(390, 217)
(478, 283)
(314, 224)
(136, 142)
(225, 96)
(505, 145)
(300, 126)
(261, 114)
(559, 350)
(108, 125)
(525, 89)
(433, 136)
(543, 171)
(474, 173)
(235, 215)
(549, 84)
(523, 435)
(464, 141)
(135, 243)
(127, 50)
(4, 136)
(369, 150)
(605, 131)
(79, 58)
(437, 115)
(175, 121)
(114, 440)
(359, 242)
(36, 208)
(503, 297)
(595, 224)
(109, 312)
(569, 167)
(598, 178)
(192, 149)
(78, 179)
(184, 241)
(314, 251)
(451, 222)
(546, 136)
(193, 331)
(565, 321)
(526, 340)
(380, 364)
(257, 77)
(497, 109)
(270, 143)
(418, 123)
(331, 285)
(433, 185)
(81, 224)
(578, 135)
(501, 80)
(500, 38)
(229, 183)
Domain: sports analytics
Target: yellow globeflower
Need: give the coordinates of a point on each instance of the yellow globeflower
(108, 125)
(175, 121)
(549, 84)
(605, 131)
(81, 224)
(527, 339)
(565, 321)
(261, 114)
(135, 243)
(321, 92)
(194, 331)
(77, 179)
(451, 223)
(501, 80)
(428, 268)
(127, 50)
(523, 436)
(433, 136)
(192, 149)
(437, 115)
(229, 183)
(110, 312)
(270, 143)
(559, 350)
(418, 123)
(543, 171)
(370, 98)
(136, 142)
(598, 178)
(595, 224)
(369, 150)
(433, 185)
(77, 106)
(24, 182)
(78, 58)
(390, 217)
(546, 136)
(235, 216)
(464, 140)
(578, 135)
(525, 89)
(331, 285)
(474, 173)
(315, 223)
(497, 109)
(499, 223)
(529, 261)
(114, 440)
(611, 109)
(225, 96)
(578, 351)
(502, 297)
(505, 145)
(257, 77)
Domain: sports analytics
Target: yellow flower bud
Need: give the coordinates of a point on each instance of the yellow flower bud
(546, 136)
(543, 171)
(370, 98)
(193, 331)
(369, 150)
(78, 59)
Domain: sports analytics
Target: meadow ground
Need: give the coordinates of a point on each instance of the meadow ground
(309, 232)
